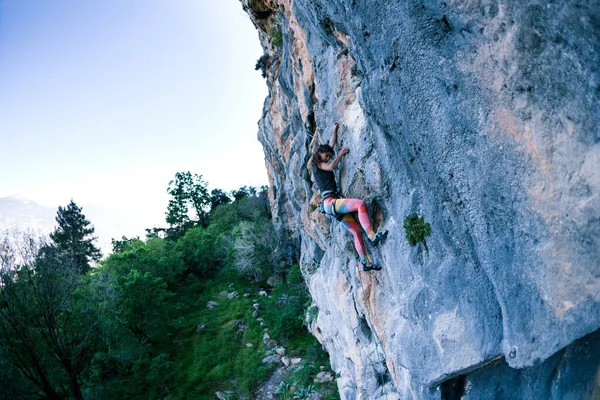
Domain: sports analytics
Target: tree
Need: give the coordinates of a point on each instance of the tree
(74, 237)
(189, 203)
(243, 191)
(201, 252)
(120, 246)
(218, 197)
(48, 322)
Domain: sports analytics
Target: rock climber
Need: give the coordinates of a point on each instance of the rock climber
(334, 204)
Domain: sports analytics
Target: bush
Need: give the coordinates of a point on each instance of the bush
(416, 229)
(262, 64)
(251, 250)
(287, 305)
(201, 251)
(276, 35)
(156, 256)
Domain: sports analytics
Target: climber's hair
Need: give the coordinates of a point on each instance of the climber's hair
(325, 148)
(314, 159)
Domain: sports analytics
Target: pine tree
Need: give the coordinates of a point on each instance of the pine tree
(74, 237)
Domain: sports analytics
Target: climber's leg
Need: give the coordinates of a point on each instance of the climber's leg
(344, 206)
(328, 205)
(350, 223)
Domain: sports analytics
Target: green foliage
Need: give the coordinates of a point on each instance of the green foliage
(189, 203)
(416, 229)
(74, 237)
(143, 303)
(253, 247)
(201, 252)
(156, 256)
(245, 208)
(262, 64)
(217, 198)
(137, 326)
(219, 358)
(300, 384)
(125, 244)
(311, 315)
(141, 287)
(304, 392)
(286, 306)
(243, 192)
(276, 35)
(48, 326)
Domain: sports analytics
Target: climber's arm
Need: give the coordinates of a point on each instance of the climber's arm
(314, 144)
(331, 166)
(309, 164)
(334, 134)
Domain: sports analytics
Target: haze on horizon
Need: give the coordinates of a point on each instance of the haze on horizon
(104, 101)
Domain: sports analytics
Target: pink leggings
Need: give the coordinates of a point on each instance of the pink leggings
(346, 207)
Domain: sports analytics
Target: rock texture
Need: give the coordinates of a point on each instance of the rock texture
(482, 116)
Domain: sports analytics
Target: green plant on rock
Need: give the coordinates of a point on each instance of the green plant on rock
(416, 230)
(283, 390)
(311, 314)
(275, 34)
(262, 64)
(304, 392)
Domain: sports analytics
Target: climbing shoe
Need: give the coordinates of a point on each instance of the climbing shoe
(379, 237)
(371, 266)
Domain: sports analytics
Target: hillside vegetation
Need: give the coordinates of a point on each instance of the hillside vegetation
(182, 314)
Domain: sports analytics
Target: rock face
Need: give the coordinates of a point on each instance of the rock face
(481, 116)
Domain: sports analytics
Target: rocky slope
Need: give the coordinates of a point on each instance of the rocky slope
(483, 117)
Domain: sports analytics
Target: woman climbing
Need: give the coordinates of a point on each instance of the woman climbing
(335, 205)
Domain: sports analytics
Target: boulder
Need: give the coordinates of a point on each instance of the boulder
(274, 281)
(224, 395)
(275, 358)
(324, 377)
(211, 304)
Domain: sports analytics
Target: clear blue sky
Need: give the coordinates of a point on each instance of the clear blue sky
(103, 101)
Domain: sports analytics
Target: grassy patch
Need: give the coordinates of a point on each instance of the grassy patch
(217, 357)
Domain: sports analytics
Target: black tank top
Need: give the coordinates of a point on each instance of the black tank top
(325, 180)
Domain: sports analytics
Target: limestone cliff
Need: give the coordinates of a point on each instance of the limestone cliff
(483, 117)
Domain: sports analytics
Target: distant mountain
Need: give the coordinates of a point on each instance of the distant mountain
(23, 214)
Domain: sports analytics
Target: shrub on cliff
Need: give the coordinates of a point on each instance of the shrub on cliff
(416, 229)
(262, 64)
